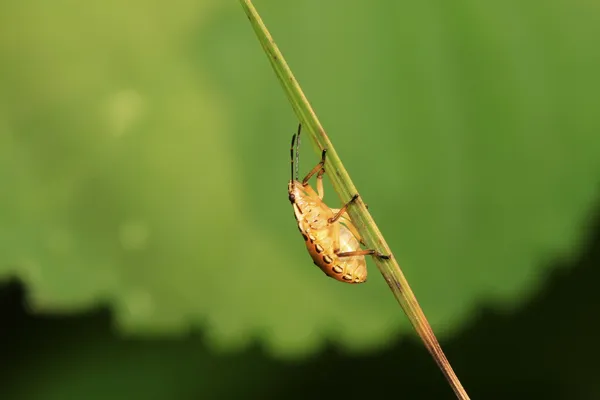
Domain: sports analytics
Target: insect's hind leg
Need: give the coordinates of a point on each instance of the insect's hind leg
(369, 252)
(317, 168)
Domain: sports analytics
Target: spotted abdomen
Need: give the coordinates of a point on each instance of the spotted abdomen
(322, 250)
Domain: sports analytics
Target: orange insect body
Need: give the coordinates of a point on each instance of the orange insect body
(330, 237)
(323, 238)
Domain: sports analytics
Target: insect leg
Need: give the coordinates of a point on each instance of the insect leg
(370, 252)
(320, 189)
(345, 219)
(343, 209)
(317, 168)
(336, 237)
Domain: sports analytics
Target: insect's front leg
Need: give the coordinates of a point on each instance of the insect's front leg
(316, 169)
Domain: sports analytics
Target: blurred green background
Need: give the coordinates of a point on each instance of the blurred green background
(148, 249)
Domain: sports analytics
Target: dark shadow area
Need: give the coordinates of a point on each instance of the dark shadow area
(546, 349)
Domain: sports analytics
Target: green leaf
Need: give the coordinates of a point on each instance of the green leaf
(144, 158)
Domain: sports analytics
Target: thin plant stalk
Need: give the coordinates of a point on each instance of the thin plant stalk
(345, 189)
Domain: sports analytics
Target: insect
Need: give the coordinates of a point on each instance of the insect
(331, 238)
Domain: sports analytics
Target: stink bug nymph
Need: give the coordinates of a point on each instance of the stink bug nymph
(331, 238)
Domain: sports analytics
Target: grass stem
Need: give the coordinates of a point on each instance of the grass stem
(345, 189)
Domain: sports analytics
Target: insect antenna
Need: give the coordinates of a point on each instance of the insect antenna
(298, 151)
(292, 156)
